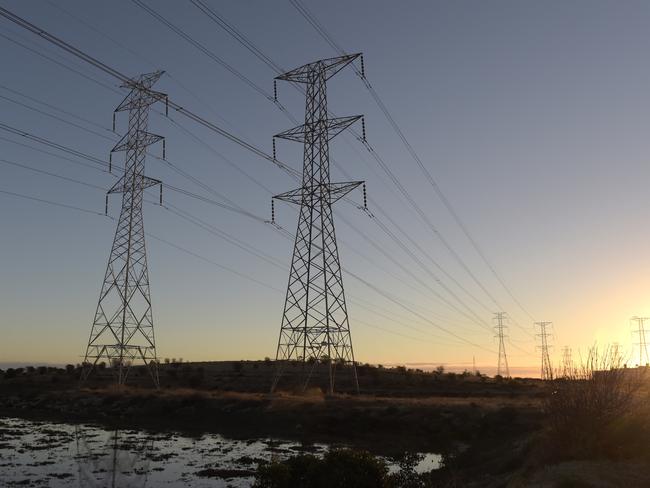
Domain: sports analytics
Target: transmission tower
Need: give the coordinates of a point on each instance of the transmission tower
(567, 362)
(644, 359)
(315, 327)
(547, 371)
(122, 330)
(502, 367)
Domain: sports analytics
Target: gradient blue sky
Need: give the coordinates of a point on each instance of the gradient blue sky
(533, 117)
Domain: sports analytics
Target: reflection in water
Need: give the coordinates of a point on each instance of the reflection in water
(60, 455)
(121, 461)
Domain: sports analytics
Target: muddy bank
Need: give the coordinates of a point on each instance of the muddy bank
(388, 425)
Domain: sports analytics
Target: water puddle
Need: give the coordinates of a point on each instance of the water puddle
(42, 454)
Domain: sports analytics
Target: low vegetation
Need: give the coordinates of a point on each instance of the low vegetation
(490, 431)
(340, 468)
(597, 410)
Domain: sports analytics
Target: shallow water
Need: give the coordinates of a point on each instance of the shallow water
(42, 454)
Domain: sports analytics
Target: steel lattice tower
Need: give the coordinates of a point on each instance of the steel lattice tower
(546, 371)
(122, 331)
(643, 346)
(315, 327)
(502, 366)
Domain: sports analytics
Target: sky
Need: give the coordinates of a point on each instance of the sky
(531, 116)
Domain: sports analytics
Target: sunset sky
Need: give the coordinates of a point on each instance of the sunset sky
(533, 117)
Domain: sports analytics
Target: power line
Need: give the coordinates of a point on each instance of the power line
(50, 202)
(49, 58)
(202, 48)
(234, 32)
(127, 81)
(58, 109)
(203, 258)
(42, 112)
(163, 160)
(83, 155)
(131, 83)
(323, 32)
(208, 227)
(264, 58)
(105, 164)
(242, 39)
(48, 173)
(46, 142)
(66, 148)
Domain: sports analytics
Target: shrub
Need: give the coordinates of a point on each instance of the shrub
(585, 405)
(407, 477)
(341, 468)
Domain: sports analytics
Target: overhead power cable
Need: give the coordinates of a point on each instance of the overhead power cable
(50, 202)
(106, 164)
(429, 177)
(48, 173)
(85, 156)
(242, 39)
(130, 83)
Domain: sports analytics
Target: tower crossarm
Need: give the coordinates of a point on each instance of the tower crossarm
(306, 131)
(330, 192)
(141, 139)
(149, 98)
(142, 95)
(330, 66)
(125, 184)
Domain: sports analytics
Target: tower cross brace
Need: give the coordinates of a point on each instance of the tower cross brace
(502, 365)
(123, 327)
(315, 325)
(546, 370)
(568, 368)
(644, 358)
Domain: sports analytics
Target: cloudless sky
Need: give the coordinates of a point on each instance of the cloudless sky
(532, 116)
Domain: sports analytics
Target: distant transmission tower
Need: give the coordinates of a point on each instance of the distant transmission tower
(502, 367)
(567, 362)
(644, 359)
(122, 331)
(315, 327)
(547, 371)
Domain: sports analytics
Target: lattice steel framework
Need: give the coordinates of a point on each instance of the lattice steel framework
(315, 326)
(500, 327)
(123, 461)
(123, 329)
(644, 358)
(547, 370)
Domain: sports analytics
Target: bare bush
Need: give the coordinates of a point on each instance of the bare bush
(586, 400)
